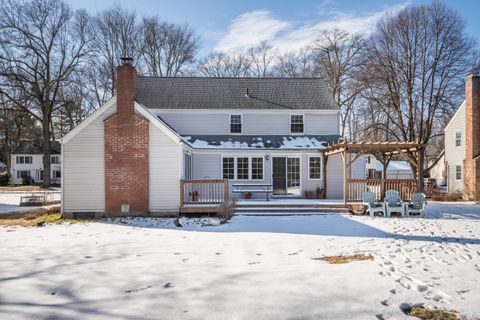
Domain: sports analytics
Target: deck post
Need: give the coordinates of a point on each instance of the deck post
(225, 190)
(182, 193)
(324, 174)
(345, 187)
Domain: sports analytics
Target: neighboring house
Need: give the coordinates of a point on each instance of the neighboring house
(3, 167)
(438, 170)
(27, 160)
(397, 169)
(462, 143)
(130, 155)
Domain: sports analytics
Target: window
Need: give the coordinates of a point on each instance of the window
(314, 168)
(296, 123)
(57, 174)
(24, 159)
(257, 168)
(458, 172)
(235, 123)
(55, 160)
(22, 174)
(242, 168)
(368, 159)
(228, 168)
(458, 139)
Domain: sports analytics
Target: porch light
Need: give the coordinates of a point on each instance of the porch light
(267, 157)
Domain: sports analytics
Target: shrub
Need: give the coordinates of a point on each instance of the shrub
(227, 210)
(27, 180)
(4, 179)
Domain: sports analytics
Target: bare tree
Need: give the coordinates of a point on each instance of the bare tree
(167, 48)
(415, 69)
(296, 64)
(219, 64)
(338, 56)
(42, 42)
(262, 58)
(116, 33)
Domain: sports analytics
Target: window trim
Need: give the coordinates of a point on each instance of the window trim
(460, 145)
(290, 123)
(54, 156)
(250, 168)
(321, 167)
(230, 123)
(24, 158)
(461, 172)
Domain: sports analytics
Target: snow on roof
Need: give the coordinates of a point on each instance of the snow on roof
(259, 142)
(395, 165)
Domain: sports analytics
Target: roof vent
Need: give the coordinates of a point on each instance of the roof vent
(247, 94)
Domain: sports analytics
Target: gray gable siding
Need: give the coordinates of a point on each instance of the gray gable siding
(197, 123)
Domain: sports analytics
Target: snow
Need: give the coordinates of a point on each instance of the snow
(302, 142)
(10, 201)
(287, 143)
(395, 165)
(250, 267)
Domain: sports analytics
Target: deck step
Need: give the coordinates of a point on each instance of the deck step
(287, 213)
(267, 205)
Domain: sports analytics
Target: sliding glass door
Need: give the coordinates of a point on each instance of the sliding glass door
(286, 176)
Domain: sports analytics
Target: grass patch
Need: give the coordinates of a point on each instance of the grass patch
(36, 217)
(345, 259)
(431, 314)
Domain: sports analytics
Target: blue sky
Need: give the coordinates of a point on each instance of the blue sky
(228, 25)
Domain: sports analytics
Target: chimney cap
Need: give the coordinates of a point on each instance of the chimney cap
(126, 61)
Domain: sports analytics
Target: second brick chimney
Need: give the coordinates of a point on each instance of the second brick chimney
(471, 166)
(126, 150)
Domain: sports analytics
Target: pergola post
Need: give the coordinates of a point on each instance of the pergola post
(345, 187)
(420, 171)
(324, 174)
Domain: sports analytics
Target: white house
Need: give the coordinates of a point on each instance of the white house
(397, 169)
(27, 160)
(130, 155)
(462, 143)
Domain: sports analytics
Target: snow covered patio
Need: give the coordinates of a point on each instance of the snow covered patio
(252, 267)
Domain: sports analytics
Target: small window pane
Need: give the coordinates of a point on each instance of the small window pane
(235, 123)
(257, 168)
(228, 168)
(242, 168)
(296, 123)
(55, 160)
(315, 167)
(458, 172)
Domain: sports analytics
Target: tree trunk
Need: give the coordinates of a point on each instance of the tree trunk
(46, 149)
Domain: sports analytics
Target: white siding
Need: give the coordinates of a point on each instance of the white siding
(198, 123)
(318, 124)
(207, 166)
(455, 155)
(276, 122)
(165, 170)
(335, 177)
(83, 164)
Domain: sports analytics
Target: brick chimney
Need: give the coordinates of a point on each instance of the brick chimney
(471, 166)
(126, 150)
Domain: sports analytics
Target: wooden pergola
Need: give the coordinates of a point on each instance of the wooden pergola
(382, 151)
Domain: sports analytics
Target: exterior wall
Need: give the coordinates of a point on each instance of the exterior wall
(397, 174)
(208, 165)
(35, 167)
(165, 165)
(455, 155)
(83, 168)
(254, 122)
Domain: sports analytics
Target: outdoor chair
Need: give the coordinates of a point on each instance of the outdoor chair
(393, 203)
(416, 205)
(373, 206)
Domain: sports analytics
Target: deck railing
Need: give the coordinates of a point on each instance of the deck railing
(203, 191)
(356, 188)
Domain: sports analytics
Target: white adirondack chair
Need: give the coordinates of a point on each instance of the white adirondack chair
(416, 205)
(373, 206)
(393, 203)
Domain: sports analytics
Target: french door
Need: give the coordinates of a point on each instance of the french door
(286, 176)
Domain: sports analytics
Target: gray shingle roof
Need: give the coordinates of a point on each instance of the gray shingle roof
(260, 142)
(30, 147)
(230, 93)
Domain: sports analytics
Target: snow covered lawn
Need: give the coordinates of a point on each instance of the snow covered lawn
(10, 201)
(251, 267)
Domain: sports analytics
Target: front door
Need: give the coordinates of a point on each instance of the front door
(286, 176)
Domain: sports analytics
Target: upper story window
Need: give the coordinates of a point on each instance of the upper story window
(235, 123)
(55, 160)
(24, 159)
(368, 159)
(296, 123)
(458, 139)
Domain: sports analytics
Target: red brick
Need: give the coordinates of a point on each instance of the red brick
(471, 165)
